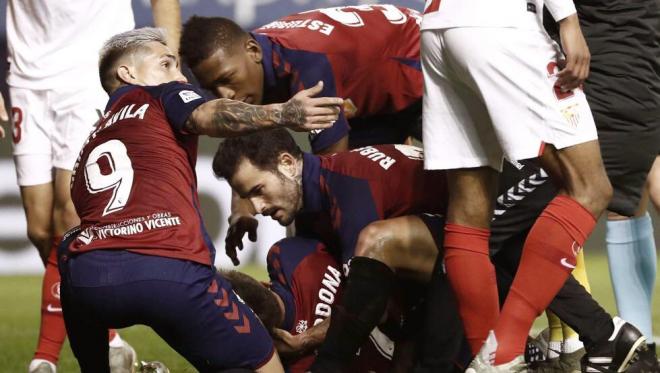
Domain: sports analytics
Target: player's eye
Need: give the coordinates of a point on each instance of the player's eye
(256, 191)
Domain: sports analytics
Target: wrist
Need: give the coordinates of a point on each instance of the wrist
(278, 114)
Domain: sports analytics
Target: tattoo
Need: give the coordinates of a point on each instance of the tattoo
(293, 113)
(229, 117)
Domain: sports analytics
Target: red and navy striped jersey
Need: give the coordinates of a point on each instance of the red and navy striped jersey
(309, 281)
(134, 184)
(353, 189)
(366, 54)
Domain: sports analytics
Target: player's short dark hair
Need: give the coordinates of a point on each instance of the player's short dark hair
(202, 36)
(260, 148)
(256, 296)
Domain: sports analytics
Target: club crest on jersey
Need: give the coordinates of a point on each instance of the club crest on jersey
(301, 327)
(187, 96)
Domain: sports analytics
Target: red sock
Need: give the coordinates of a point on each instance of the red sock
(548, 259)
(52, 332)
(472, 276)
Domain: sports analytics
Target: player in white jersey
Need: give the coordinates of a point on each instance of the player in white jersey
(495, 86)
(56, 98)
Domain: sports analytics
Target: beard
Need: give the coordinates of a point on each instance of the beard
(291, 200)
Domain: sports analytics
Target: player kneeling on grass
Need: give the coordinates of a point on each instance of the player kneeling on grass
(142, 255)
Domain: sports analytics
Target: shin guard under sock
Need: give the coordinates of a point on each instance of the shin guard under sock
(52, 331)
(363, 304)
(472, 277)
(549, 256)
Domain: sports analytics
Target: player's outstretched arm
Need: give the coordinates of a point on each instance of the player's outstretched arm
(167, 15)
(289, 345)
(303, 112)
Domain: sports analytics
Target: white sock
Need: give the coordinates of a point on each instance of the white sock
(116, 341)
(554, 349)
(36, 362)
(571, 345)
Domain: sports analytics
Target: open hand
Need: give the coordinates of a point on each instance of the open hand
(239, 224)
(304, 112)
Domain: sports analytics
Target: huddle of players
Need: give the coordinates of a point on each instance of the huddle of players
(368, 221)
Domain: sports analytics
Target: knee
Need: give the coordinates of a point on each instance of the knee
(375, 242)
(594, 195)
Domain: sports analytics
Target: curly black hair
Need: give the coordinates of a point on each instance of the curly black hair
(202, 36)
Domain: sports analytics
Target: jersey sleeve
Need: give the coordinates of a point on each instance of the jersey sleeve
(560, 9)
(322, 139)
(310, 68)
(179, 101)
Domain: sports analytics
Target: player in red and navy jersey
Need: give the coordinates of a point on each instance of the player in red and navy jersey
(142, 255)
(305, 281)
(366, 54)
(379, 204)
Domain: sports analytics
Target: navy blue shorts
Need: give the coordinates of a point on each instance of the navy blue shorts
(191, 306)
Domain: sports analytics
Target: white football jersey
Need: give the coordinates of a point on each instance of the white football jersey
(526, 14)
(56, 43)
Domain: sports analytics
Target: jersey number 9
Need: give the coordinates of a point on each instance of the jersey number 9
(109, 167)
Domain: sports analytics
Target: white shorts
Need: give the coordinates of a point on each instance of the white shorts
(50, 128)
(489, 93)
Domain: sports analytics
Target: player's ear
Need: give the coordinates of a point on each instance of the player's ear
(125, 74)
(287, 165)
(253, 50)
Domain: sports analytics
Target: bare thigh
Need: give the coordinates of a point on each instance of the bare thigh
(405, 244)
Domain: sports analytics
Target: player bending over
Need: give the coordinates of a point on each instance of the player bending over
(142, 254)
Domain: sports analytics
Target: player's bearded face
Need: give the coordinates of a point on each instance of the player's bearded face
(288, 200)
(275, 193)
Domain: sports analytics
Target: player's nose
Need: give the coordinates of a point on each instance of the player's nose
(259, 205)
(225, 92)
(181, 77)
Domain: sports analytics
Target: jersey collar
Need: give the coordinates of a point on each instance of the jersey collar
(114, 96)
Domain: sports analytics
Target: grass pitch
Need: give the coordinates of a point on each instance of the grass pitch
(19, 320)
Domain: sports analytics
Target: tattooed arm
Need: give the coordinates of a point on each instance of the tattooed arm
(226, 118)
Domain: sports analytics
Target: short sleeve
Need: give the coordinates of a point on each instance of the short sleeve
(321, 139)
(179, 101)
(560, 9)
